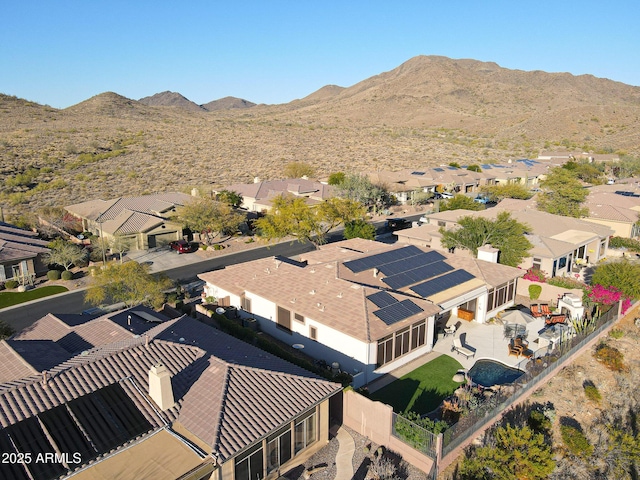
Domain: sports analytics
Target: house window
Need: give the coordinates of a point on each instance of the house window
(284, 319)
(418, 332)
(305, 431)
(278, 449)
(537, 263)
(246, 304)
(385, 350)
(402, 342)
(298, 318)
(248, 466)
(501, 295)
(603, 244)
(313, 333)
(562, 262)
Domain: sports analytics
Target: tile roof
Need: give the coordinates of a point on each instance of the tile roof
(228, 393)
(18, 244)
(268, 189)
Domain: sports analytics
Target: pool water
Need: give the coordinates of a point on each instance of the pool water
(490, 372)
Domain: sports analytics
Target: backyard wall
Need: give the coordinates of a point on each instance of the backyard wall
(374, 421)
(550, 293)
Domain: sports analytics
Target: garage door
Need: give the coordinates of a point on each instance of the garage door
(161, 239)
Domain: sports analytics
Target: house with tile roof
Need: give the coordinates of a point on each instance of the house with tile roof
(145, 221)
(258, 196)
(21, 253)
(163, 399)
(616, 206)
(559, 243)
(362, 305)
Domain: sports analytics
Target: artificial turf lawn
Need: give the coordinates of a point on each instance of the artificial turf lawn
(13, 298)
(423, 389)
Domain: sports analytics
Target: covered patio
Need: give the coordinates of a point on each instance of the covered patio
(491, 340)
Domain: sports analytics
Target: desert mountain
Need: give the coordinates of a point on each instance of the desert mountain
(170, 99)
(428, 111)
(227, 103)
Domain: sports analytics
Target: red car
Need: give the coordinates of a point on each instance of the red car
(182, 246)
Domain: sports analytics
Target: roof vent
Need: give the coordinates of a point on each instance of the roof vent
(313, 292)
(375, 272)
(267, 270)
(160, 389)
(340, 295)
(293, 300)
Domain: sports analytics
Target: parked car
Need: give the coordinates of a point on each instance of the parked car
(397, 224)
(446, 195)
(423, 220)
(182, 246)
(483, 200)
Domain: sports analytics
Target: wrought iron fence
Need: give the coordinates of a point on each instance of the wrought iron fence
(414, 435)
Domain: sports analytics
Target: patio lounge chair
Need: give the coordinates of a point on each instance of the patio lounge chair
(535, 311)
(544, 308)
(553, 319)
(514, 349)
(457, 346)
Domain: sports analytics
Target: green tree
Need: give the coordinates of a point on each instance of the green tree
(5, 330)
(517, 453)
(509, 190)
(120, 244)
(454, 164)
(210, 217)
(336, 178)
(65, 254)
(622, 275)
(298, 170)
(359, 229)
(130, 283)
(504, 233)
(229, 197)
(474, 168)
(562, 194)
(292, 216)
(460, 202)
(360, 189)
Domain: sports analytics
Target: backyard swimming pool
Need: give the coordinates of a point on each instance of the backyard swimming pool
(490, 372)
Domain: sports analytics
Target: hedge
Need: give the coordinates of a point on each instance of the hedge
(53, 274)
(9, 284)
(66, 275)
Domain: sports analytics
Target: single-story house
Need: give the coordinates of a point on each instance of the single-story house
(617, 207)
(145, 221)
(559, 243)
(21, 253)
(137, 395)
(258, 196)
(366, 306)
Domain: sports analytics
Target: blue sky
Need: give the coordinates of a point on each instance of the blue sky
(62, 52)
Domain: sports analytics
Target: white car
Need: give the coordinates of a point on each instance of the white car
(446, 195)
(423, 220)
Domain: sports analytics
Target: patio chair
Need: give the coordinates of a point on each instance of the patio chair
(450, 330)
(553, 319)
(544, 308)
(457, 347)
(514, 349)
(535, 311)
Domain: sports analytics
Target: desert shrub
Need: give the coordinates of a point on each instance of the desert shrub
(535, 275)
(575, 441)
(217, 246)
(535, 291)
(610, 357)
(9, 284)
(249, 240)
(592, 393)
(616, 333)
(566, 282)
(53, 274)
(538, 422)
(203, 246)
(66, 275)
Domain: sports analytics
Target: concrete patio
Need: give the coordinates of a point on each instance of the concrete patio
(488, 342)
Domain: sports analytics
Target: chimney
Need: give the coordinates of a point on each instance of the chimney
(160, 389)
(488, 253)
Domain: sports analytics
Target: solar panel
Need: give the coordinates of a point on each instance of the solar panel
(13, 470)
(415, 275)
(486, 166)
(442, 283)
(417, 173)
(415, 261)
(66, 433)
(362, 264)
(382, 299)
(438, 169)
(452, 168)
(397, 312)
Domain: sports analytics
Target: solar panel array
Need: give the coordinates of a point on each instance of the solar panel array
(362, 264)
(397, 312)
(418, 274)
(439, 169)
(382, 299)
(442, 283)
(418, 173)
(400, 266)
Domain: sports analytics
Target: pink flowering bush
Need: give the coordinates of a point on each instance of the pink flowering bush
(626, 303)
(535, 275)
(604, 295)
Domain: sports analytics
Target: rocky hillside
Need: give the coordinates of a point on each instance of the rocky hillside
(428, 111)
